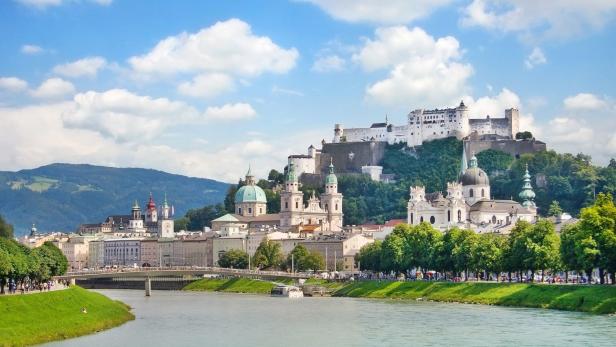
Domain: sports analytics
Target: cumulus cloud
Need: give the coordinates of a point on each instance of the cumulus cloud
(536, 57)
(227, 47)
(569, 131)
(328, 63)
(53, 88)
(418, 66)
(230, 112)
(31, 49)
(584, 101)
(13, 84)
(86, 67)
(540, 19)
(376, 11)
(207, 85)
(124, 116)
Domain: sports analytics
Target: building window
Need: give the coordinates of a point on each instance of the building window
(432, 220)
(483, 193)
(459, 215)
(493, 219)
(411, 217)
(296, 204)
(286, 204)
(326, 207)
(421, 219)
(260, 210)
(239, 210)
(449, 216)
(336, 207)
(471, 193)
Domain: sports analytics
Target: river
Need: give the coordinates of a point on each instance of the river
(171, 318)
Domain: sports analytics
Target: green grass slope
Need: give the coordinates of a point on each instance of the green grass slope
(592, 299)
(36, 318)
(233, 285)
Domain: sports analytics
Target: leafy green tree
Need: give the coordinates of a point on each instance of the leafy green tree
(488, 255)
(313, 261)
(6, 229)
(235, 258)
(524, 135)
(276, 177)
(303, 259)
(494, 161)
(462, 252)
(517, 253)
(392, 250)
(555, 209)
(598, 223)
(542, 245)
(369, 256)
(6, 268)
(569, 249)
(268, 255)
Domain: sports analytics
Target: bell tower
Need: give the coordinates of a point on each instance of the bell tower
(331, 200)
(291, 199)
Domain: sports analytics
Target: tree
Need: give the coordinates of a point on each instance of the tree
(568, 249)
(268, 255)
(542, 246)
(524, 135)
(488, 254)
(235, 258)
(516, 252)
(369, 256)
(303, 259)
(555, 209)
(6, 230)
(197, 219)
(462, 252)
(598, 224)
(392, 252)
(275, 177)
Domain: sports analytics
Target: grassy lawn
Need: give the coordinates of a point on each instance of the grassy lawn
(593, 299)
(42, 317)
(234, 285)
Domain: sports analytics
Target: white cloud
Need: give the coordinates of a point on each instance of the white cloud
(31, 49)
(569, 131)
(376, 11)
(86, 67)
(230, 112)
(536, 57)
(418, 66)
(228, 47)
(328, 63)
(53, 88)
(584, 101)
(124, 116)
(13, 84)
(207, 85)
(540, 19)
(42, 4)
(286, 91)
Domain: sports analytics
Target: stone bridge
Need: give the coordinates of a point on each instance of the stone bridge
(178, 272)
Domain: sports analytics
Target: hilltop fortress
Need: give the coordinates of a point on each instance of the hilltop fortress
(426, 125)
(361, 150)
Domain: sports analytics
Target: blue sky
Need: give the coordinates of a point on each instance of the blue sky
(204, 88)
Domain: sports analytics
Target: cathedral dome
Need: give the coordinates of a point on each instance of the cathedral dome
(250, 193)
(474, 175)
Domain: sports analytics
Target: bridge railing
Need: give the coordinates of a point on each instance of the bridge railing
(209, 269)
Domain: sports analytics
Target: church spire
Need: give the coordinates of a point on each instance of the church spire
(463, 163)
(527, 194)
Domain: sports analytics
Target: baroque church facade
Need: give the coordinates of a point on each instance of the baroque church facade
(468, 204)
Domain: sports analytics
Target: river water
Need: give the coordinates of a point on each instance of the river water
(171, 318)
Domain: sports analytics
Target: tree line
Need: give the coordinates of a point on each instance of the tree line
(269, 256)
(530, 248)
(20, 264)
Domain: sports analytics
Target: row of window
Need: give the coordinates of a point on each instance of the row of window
(433, 219)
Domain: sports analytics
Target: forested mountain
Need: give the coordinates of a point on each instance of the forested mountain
(62, 196)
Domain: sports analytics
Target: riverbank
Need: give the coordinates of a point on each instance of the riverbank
(234, 285)
(49, 316)
(593, 299)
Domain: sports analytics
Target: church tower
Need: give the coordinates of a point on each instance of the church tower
(527, 195)
(291, 199)
(165, 223)
(151, 215)
(135, 222)
(331, 200)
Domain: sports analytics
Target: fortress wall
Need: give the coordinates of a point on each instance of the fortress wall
(349, 157)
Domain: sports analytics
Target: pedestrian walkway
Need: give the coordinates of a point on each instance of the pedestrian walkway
(54, 286)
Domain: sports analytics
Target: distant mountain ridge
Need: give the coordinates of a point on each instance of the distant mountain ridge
(59, 197)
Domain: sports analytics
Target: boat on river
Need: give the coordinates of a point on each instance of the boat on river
(287, 292)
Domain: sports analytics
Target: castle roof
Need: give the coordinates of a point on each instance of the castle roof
(499, 206)
(378, 125)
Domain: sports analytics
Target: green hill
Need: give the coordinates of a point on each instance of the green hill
(62, 196)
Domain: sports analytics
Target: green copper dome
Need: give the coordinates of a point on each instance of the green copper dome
(331, 177)
(291, 175)
(250, 193)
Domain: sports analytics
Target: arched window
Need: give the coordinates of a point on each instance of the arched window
(249, 210)
(421, 219)
(411, 217)
(471, 193)
(483, 193)
(493, 219)
(336, 206)
(432, 219)
(449, 216)
(286, 204)
(459, 215)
